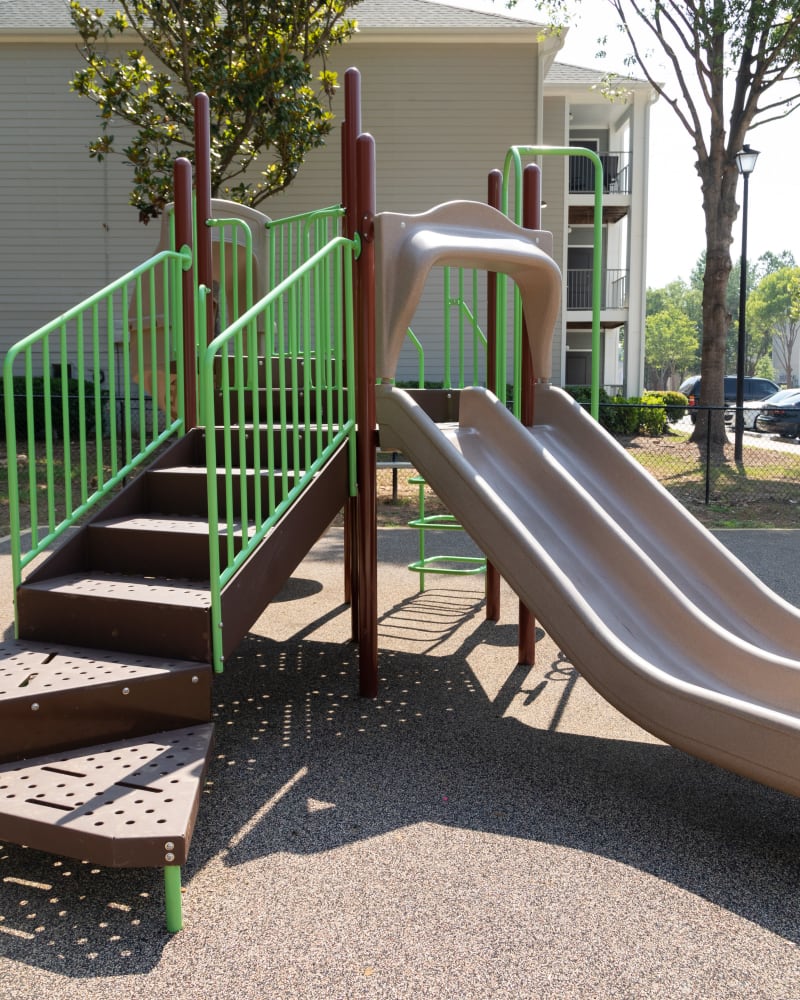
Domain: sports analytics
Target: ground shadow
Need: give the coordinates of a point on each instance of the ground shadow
(304, 766)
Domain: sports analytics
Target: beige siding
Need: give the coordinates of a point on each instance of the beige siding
(67, 228)
(442, 117)
(555, 172)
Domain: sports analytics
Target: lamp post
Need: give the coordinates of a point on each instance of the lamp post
(746, 162)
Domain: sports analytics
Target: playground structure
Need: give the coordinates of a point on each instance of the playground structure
(201, 513)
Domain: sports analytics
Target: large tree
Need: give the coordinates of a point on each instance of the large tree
(672, 328)
(773, 315)
(732, 65)
(262, 63)
(671, 345)
(758, 355)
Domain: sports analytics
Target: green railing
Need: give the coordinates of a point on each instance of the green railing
(78, 409)
(276, 431)
(90, 397)
(234, 270)
(464, 341)
(294, 239)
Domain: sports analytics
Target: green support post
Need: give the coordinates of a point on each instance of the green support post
(172, 898)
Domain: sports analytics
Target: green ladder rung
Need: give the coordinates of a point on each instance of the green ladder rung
(443, 564)
(445, 522)
(424, 565)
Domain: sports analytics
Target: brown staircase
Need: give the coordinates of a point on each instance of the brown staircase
(105, 696)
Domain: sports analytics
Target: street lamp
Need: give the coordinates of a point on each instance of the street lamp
(746, 162)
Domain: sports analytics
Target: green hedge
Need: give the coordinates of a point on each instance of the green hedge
(38, 401)
(675, 402)
(626, 416)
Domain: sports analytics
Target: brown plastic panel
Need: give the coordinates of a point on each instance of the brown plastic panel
(441, 405)
(263, 575)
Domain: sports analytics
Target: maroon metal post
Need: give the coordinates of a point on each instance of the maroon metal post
(493, 197)
(351, 127)
(531, 219)
(351, 130)
(202, 145)
(182, 184)
(366, 457)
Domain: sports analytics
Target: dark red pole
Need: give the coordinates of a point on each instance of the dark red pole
(531, 219)
(351, 127)
(351, 130)
(493, 197)
(182, 184)
(202, 145)
(365, 415)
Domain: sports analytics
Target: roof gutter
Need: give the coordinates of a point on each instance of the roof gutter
(514, 34)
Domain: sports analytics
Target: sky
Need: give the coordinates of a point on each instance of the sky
(675, 215)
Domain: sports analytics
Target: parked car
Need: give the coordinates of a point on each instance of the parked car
(753, 408)
(755, 388)
(750, 412)
(780, 414)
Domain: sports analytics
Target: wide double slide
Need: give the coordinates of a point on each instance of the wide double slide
(655, 613)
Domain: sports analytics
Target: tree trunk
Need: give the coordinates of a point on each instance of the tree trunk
(720, 208)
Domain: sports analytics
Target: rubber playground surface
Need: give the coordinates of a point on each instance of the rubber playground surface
(480, 830)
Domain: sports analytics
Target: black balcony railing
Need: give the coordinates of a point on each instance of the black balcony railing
(616, 173)
(614, 289)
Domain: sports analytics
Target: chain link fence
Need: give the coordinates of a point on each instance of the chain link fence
(695, 473)
(768, 476)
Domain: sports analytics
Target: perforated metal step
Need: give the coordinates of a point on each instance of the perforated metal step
(182, 489)
(139, 614)
(122, 587)
(126, 804)
(56, 697)
(156, 544)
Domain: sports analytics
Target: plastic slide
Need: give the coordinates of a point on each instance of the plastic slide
(655, 613)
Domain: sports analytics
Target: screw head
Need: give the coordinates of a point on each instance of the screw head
(126, 690)
(35, 706)
(169, 846)
(169, 858)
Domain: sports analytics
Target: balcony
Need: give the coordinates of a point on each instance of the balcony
(617, 183)
(616, 173)
(614, 289)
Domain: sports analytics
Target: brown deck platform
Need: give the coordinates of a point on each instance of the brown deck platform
(126, 804)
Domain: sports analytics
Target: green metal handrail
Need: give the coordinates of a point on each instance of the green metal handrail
(134, 325)
(304, 411)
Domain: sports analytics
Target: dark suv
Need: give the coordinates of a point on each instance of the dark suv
(754, 388)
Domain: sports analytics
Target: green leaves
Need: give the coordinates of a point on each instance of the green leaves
(263, 66)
